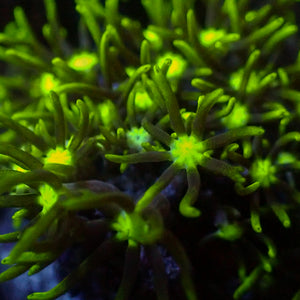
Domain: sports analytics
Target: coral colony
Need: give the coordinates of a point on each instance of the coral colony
(160, 154)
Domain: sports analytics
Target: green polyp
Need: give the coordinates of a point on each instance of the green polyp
(238, 117)
(83, 61)
(59, 156)
(177, 66)
(123, 225)
(48, 197)
(133, 228)
(48, 82)
(208, 37)
(263, 171)
(187, 151)
(136, 137)
(230, 232)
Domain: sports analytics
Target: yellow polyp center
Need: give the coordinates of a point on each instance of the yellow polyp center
(48, 82)
(83, 62)
(187, 151)
(59, 156)
(210, 36)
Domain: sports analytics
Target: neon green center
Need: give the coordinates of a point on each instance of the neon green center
(83, 61)
(264, 172)
(187, 151)
(48, 83)
(59, 156)
(210, 36)
(133, 228)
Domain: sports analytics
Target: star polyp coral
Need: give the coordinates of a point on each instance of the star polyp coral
(135, 229)
(136, 136)
(187, 151)
(264, 172)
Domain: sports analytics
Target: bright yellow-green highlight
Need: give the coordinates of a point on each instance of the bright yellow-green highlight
(130, 71)
(186, 115)
(18, 217)
(264, 172)
(136, 136)
(153, 38)
(255, 221)
(19, 169)
(142, 99)
(282, 215)
(48, 83)
(83, 61)
(108, 113)
(230, 232)
(187, 152)
(236, 79)
(133, 228)
(238, 117)
(286, 158)
(59, 156)
(210, 36)
(250, 16)
(177, 67)
(48, 197)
